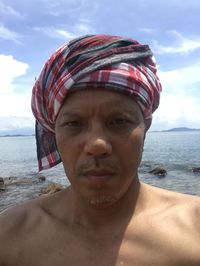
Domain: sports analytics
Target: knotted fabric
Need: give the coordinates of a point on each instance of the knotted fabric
(92, 61)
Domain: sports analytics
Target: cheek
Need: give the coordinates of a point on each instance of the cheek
(63, 147)
(69, 151)
(132, 149)
(135, 141)
(61, 144)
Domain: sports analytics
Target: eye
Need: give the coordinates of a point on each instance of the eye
(119, 121)
(73, 123)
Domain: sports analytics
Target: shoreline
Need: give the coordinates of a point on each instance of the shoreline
(15, 190)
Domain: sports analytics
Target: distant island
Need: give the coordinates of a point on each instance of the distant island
(18, 132)
(16, 135)
(181, 129)
(178, 129)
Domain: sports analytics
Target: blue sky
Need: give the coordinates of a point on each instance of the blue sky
(31, 30)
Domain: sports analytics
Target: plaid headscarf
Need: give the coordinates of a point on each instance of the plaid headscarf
(105, 61)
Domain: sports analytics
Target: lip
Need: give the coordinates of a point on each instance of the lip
(98, 175)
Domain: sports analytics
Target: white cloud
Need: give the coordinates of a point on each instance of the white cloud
(61, 33)
(148, 30)
(15, 111)
(58, 8)
(10, 69)
(16, 122)
(183, 44)
(181, 80)
(82, 28)
(55, 32)
(7, 34)
(9, 11)
(180, 99)
(15, 105)
(176, 111)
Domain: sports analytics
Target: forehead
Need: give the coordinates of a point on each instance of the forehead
(100, 99)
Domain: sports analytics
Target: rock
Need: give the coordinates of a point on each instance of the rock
(8, 180)
(196, 170)
(159, 171)
(42, 178)
(2, 184)
(51, 188)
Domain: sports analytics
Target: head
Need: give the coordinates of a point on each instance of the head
(94, 75)
(100, 142)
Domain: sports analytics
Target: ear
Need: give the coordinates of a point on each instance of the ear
(147, 124)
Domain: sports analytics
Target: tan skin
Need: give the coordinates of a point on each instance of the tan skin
(107, 216)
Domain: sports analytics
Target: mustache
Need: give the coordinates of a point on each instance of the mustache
(103, 165)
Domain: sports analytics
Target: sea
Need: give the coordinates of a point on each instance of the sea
(177, 152)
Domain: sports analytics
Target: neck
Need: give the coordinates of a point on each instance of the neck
(87, 215)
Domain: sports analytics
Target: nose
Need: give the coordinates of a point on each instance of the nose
(97, 144)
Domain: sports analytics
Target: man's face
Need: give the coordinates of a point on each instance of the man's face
(100, 137)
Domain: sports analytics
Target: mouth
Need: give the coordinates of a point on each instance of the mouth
(98, 174)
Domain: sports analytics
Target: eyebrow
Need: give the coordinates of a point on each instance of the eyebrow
(127, 109)
(115, 111)
(71, 113)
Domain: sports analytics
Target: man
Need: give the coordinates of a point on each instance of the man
(93, 103)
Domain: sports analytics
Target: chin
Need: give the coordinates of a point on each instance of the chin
(102, 201)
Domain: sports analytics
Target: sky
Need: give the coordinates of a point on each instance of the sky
(30, 31)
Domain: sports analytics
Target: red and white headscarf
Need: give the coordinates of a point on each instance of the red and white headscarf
(109, 62)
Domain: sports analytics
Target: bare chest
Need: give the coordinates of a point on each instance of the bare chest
(145, 242)
(128, 251)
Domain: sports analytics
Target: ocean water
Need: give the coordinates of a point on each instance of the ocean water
(177, 152)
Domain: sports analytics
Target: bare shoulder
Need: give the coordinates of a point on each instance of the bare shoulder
(24, 220)
(184, 202)
(172, 222)
(182, 210)
(16, 219)
(174, 204)
(29, 213)
(171, 196)
(187, 207)
(13, 223)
